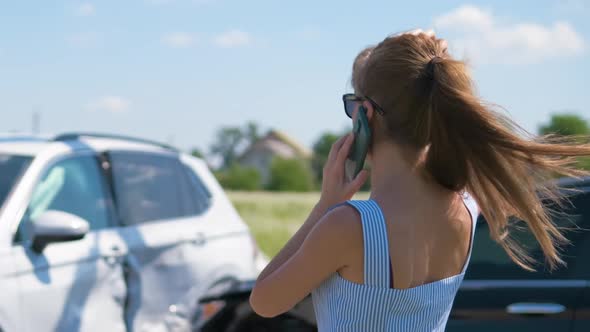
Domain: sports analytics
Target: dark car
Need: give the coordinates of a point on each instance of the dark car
(496, 294)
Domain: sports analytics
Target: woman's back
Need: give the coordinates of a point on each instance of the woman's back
(428, 237)
(343, 304)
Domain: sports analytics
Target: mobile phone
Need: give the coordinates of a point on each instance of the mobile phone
(358, 152)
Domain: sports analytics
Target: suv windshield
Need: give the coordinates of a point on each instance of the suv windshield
(11, 169)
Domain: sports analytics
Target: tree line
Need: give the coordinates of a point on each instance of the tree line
(299, 174)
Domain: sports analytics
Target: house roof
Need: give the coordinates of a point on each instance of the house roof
(282, 137)
(301, 150)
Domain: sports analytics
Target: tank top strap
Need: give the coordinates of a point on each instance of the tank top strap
(473, 209)
(375, 244)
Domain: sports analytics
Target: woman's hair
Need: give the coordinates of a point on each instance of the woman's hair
(430, 105)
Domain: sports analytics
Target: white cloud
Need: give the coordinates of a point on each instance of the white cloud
(85, 9)
(113, 104)
(482, 37)
(233, 38)
(178, 39)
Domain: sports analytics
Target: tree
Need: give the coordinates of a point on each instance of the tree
(196, 152)
(227, 141)
(568, 124)
(251, 132)
(231, 141)
(584, 163)
(565, 124)
(237, 177)
(321, 149)
(290, 175)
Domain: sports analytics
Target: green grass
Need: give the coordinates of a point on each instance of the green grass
(274, 217)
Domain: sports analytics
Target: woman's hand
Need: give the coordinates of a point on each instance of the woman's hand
(335, 188)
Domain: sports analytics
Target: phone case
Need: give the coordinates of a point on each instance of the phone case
(360, 147)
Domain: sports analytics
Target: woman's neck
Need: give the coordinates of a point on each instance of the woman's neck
(394, 170)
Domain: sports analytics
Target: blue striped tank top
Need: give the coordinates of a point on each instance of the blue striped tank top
(341, 305)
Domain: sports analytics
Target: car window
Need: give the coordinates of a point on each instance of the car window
(198, 198)
(11, 168)
(74, 185)
(149, 187)
(489, 261)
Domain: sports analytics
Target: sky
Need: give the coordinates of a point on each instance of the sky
(178, 70)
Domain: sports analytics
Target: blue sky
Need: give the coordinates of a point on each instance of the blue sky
(176, 70)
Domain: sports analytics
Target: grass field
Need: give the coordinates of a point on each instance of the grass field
(274, 217)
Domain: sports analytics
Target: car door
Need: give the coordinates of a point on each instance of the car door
(582, 319)
(497, 295)
(12, 167)
(166, 237)
(76, 285)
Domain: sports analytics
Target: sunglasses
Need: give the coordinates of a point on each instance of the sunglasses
(351, 101)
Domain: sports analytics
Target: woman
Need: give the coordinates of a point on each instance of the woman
(395, 261)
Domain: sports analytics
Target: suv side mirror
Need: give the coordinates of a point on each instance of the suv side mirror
(56, 226)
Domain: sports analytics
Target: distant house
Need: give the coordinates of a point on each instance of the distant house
(275, 144)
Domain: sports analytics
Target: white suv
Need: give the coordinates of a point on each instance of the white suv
(110, 233)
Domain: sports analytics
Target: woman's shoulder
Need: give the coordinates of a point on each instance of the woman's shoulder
(343, 224)
(343, 216)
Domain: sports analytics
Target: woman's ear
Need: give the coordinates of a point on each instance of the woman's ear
(370, 110)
